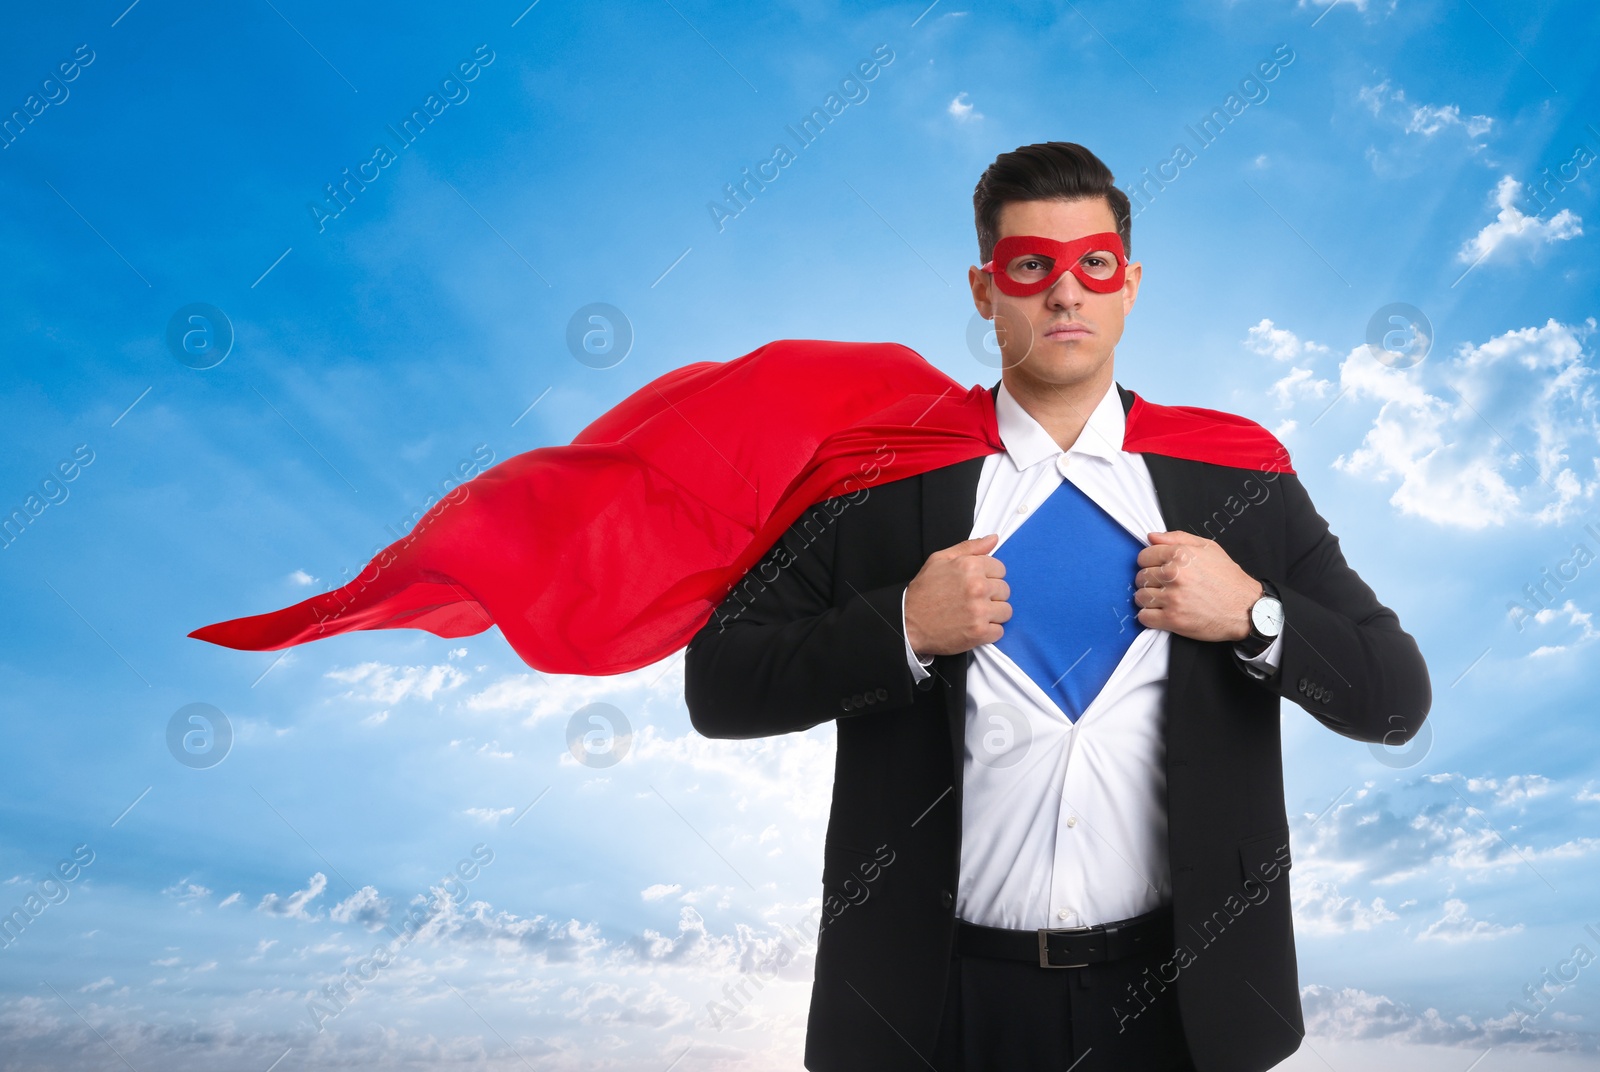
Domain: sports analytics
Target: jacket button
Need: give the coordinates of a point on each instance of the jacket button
(926, 683)
(946, 898)
(883, 694)
(1302, 685)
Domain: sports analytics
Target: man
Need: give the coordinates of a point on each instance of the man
(1058, 836)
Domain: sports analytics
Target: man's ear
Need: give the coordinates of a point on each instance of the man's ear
(980, 282)
(1130, 286)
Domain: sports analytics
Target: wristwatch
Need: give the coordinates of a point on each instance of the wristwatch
(1266, 621)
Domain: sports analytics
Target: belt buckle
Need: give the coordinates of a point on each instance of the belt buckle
(1044, 945)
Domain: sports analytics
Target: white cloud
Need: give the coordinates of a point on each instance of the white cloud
(1428, 120)
(609, 1005)
(1446, 451)
(568, 996)
(795, 769)
(723, 894)
(492, 816)
(232, 898)
(1374, 96)
(390, 684)
(294, 906)
(1299, 383)
(186, 892)
(544, 696)
(1582, 620)
(1424, 119)
(1280, 344)
(1320, 908)
(33, 1036)
(659, 890)
(1353, 1014)
(962, 109)
(490, 749)
(302, 578)
(364, 907)
(99, 984)
(1512, 230)
(1367, 838)
(1517, 789)
(1456, 926)
(539, 938)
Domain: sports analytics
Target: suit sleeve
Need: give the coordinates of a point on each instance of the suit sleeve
(1345, 658)
(784, 652)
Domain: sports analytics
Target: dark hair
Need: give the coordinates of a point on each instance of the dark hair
(1048, 171)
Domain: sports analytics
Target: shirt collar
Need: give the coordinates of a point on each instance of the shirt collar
(1027, 443)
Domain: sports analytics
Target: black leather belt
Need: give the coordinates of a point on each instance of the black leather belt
(1069, 947)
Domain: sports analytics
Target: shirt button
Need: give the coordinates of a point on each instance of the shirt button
(1022, 509)
(1063, 915)
(1062, 461)
(1072, 820)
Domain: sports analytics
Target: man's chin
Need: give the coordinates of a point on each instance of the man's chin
(1062, 361)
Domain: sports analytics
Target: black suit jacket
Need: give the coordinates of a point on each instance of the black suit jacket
(814, 632)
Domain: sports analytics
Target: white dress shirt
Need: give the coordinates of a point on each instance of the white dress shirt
(1064, 824)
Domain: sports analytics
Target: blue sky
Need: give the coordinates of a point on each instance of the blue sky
(178, 154)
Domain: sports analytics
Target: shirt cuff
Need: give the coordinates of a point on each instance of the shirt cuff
(1264, 665)
(919, 666)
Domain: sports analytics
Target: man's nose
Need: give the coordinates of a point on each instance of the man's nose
(1066, 291)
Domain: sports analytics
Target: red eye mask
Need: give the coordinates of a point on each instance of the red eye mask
(1027, 264)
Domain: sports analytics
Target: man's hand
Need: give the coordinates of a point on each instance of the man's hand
(958, 600)
(1189, 586)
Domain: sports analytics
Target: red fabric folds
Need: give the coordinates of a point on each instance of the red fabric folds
(610, 553)
(1203, 435)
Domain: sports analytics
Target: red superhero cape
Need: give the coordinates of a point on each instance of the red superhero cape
(610, 553)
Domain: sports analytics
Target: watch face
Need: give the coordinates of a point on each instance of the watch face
(1267, 616)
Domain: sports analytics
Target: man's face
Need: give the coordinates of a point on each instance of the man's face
(1066, 333)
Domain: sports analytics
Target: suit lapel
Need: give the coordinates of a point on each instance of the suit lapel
(1181, 494)
(949, 499)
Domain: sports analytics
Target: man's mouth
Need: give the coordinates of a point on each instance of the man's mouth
(1070, 330)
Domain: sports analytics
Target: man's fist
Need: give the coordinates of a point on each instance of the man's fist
(958, 599)
(1189, 586)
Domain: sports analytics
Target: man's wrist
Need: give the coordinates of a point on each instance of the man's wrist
(1243, 621)
(917, 663)
(1256, 642)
